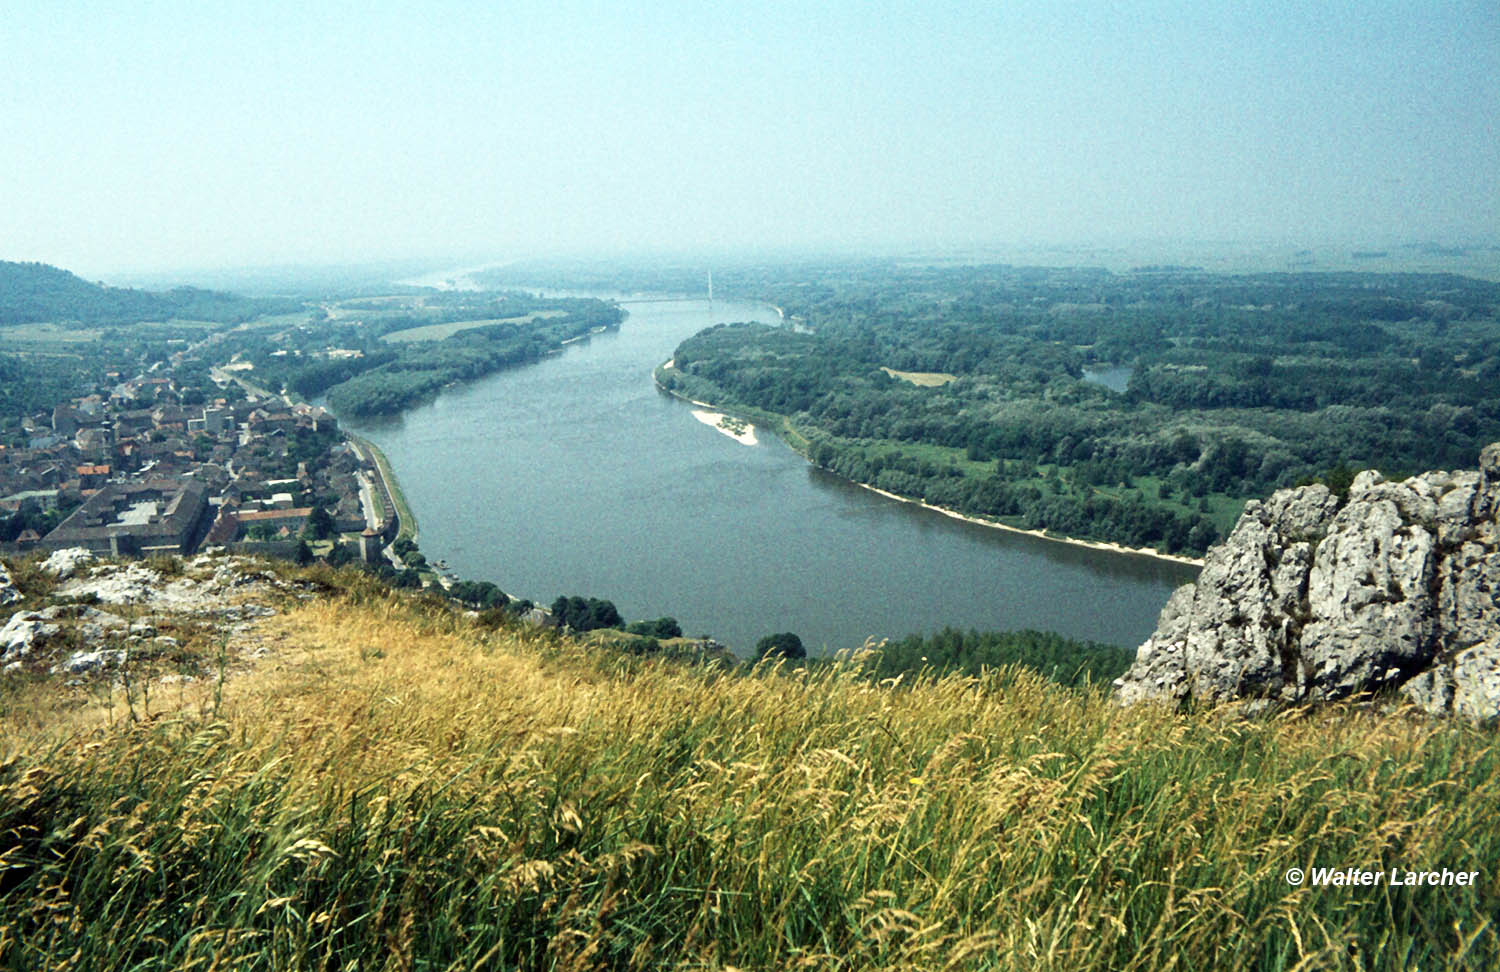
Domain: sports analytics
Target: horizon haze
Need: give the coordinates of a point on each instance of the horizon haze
(178, 136)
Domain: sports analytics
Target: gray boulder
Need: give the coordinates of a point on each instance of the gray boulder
(83, 662)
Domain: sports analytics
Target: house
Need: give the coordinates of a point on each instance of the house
(91, 476)
(93, 443)
(64, 419)
(292, 520)
(263, 422)
(217, 421)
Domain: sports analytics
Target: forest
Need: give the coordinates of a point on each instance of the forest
(973, 388)
(35, 292)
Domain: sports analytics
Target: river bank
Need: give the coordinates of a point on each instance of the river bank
(782, 432)
(406, 519)
(1041, 534)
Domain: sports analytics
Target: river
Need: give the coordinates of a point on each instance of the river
(576, 475)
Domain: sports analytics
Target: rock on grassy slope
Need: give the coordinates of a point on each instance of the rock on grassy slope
(1309, 599)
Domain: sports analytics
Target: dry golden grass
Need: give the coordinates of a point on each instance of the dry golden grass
(400, 789)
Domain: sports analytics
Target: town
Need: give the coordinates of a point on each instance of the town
(153, 465)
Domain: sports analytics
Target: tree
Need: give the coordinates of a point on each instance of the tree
(478, 594)
(1339, 479)
(304, 554)
(782, 645)
(664, 627)
(320, 525)
(585, 614)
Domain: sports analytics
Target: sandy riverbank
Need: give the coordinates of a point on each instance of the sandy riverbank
(1039, 534)
(738, 430)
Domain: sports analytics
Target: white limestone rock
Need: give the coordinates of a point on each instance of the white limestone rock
(83, 662)
(1306, 601)
(9, 593)
(22, 634)
(1160, 669)
(65, 563)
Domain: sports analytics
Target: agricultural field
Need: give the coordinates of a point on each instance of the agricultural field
(437, 332)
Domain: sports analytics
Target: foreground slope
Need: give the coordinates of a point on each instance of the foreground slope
(395, 785)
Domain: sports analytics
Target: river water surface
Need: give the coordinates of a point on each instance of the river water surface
(576, 475)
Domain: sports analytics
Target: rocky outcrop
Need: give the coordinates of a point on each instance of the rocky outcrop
(9, 593)
(72, 636)
(23, 633)
(1309, 599)
(65, 563)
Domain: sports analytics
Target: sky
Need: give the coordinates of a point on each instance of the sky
(156, 135)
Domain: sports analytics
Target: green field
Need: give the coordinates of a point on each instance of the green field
(47, 333)
(922, 379)
(436, 332)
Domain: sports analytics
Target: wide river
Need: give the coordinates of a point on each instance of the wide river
(576, 475)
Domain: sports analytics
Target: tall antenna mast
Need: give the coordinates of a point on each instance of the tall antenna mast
(710, 286)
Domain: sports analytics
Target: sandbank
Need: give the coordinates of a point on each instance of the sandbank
(746, 435)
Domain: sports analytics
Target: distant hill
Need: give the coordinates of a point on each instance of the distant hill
(33, 292)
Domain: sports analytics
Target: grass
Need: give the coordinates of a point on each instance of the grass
(400, 789)
(1223, 510)
(47, 333)
(922, 379)
(436, 332)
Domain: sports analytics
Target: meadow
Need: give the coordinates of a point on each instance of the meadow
(436, 332)
(397, 786)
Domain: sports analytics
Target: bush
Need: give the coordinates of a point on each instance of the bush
(585, 614)
(782, 645)
(665, 627)
(1063, 660)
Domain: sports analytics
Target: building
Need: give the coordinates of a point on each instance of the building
(135, 519)
(293, 520)
(218, 420)
(91, 476)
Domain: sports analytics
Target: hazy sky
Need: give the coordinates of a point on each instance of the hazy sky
(153, 135)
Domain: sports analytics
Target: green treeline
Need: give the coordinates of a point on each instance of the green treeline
(373, 377)
(1240, 385)
(1063, 660)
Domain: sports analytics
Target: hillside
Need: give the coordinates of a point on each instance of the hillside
(363, 777)
(35, 292)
